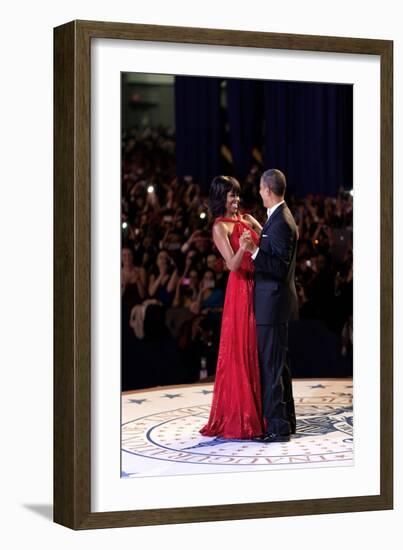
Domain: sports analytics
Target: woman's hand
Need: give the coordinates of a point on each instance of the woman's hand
(245, 241)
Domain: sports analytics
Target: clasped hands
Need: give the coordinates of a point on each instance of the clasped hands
(246, 241)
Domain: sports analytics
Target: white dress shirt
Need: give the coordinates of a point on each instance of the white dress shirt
(269, 213)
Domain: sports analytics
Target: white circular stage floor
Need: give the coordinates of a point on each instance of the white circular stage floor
(160, 432)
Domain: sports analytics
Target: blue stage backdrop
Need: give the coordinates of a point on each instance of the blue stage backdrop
(198, 128)
(245, 122)
(309, 135)
(304, 129)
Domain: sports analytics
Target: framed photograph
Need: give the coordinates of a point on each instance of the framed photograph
(211, 363)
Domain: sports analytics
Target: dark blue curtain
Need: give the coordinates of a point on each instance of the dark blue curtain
(245, 117)
(198, 128)
(308, 135)
(304, 129)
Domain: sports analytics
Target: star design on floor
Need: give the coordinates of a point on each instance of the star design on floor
(317, 386)
(137, 401)
(172, 395)
(205, 392)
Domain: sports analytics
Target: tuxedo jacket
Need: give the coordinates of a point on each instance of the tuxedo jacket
(275, 296)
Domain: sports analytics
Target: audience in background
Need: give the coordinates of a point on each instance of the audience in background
(168, 256)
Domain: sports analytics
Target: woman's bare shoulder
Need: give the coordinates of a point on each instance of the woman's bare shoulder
(247, 218)
(220, 227)
(250, 220)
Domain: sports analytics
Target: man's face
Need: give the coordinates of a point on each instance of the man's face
(265, 194)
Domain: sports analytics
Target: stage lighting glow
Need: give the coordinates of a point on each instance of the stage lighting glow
(124, 225)
(202, 215)
(352, 192)
(150, 189)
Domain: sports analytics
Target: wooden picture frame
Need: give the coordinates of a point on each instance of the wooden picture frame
(72, 270)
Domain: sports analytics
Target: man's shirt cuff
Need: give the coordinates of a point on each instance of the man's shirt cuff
(255, 253)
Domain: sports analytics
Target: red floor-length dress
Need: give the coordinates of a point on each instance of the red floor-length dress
(236, 411)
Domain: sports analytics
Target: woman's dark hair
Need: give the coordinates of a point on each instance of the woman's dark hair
(219, 188)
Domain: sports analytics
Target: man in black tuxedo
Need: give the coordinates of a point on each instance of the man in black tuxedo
(275, 304)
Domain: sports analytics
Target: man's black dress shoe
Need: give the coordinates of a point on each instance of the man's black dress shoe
(271, 438)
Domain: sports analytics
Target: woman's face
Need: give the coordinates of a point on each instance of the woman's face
(233, 201)
(162, 259)
(127, 257)
(208, 280)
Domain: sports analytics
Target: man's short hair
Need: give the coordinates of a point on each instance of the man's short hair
(275, 180)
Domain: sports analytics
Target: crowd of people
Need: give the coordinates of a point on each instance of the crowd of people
(173, 279)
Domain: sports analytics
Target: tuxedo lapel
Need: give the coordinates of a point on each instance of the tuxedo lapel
(272, 217)
(265, 227)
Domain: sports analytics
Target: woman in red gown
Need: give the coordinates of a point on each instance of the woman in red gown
(236, 411)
